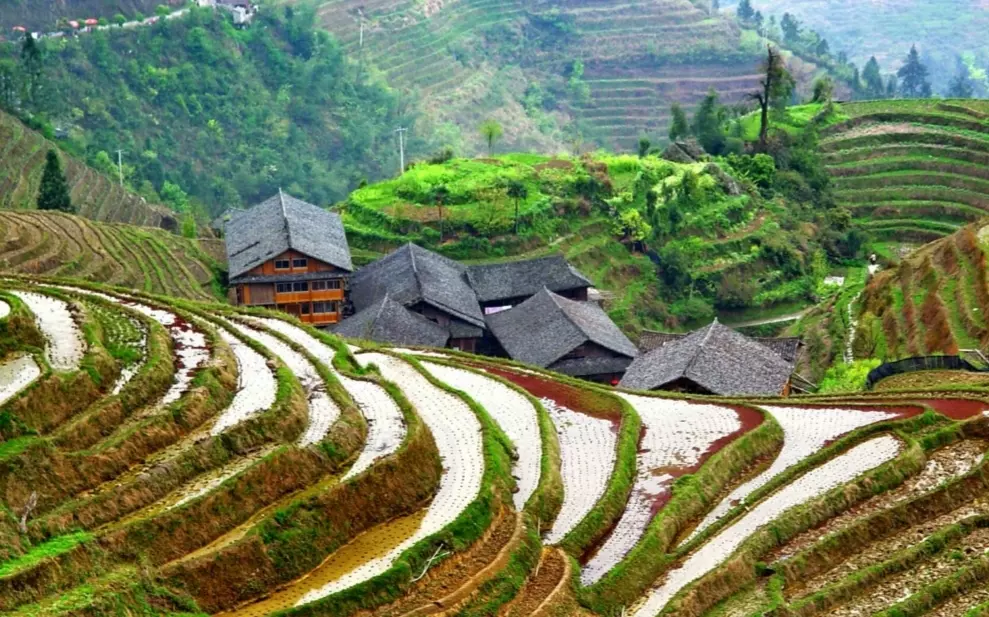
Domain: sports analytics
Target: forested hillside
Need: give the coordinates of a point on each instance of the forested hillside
(225, 115)
(948, 33)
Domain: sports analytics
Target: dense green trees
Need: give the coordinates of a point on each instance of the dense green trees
(227, 115)
(491, 131)
(679, 127)
(961, 86)
(53, 194)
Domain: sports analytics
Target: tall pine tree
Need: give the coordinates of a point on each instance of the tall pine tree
(679, 127)
(961, 86)
(745, 11)
(54, 191)
(913, 77)
(875, 87)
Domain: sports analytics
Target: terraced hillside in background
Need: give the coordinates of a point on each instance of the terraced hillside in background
(933, 302)
(911, 170)
(97, 197)
(469, 59)
(174, 457)
(152, 260)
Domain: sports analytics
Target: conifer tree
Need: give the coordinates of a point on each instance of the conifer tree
(961, 86)
(913, 77)
(791, 28)
(875, 88)
(54, 191)
(745, 11)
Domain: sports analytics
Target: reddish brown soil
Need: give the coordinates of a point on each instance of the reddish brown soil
(956, 408)
(562, 394)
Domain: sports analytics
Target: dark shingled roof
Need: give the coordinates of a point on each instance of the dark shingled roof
(387, 321)
(546, 327)
(717, 359)
(785, 347)
(411, 275)
(281, 223)
(527, 277)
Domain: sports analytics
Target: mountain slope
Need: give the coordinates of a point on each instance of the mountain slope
(42, 15)
(515, 60)
(942, 30)
(97, 197)
(152, 260)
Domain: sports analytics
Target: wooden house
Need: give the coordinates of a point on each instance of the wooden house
(289, 255)
(425, 283)
(714, 360)
(563, 335)
(501, 286)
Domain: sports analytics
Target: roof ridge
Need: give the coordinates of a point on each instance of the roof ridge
(288, 228)
(566, 315)
(415, 269)
(700, 348)
(377, 315)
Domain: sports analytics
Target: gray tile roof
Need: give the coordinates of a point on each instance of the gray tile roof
(387, 321)
(281, 223)
(503, 281)
(546, 327)
(411, 275)
(785, 347)
(289, 278)
(717, 359)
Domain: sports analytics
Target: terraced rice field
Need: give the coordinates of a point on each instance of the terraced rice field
(249, 465)
(61, 245)
(97, 197)
(934, 302)
(640, 55)
(911, 170)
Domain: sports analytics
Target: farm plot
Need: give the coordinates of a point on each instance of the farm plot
(457, 433)
(386, 426)
(805, 431)
(256, 385)
(513, 412)
(817, 482)
(17, 374)
(65, 344)
(678, 436)
(128, 336)
(588, 453)
(188, 341)
(323, 412)
(944, 465)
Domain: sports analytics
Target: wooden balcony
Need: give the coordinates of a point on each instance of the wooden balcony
(297, 297)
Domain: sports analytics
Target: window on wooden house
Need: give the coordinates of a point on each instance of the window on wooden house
(282, 264)
(302, 286)
(283, 288)
(300, 262)
(305, 308)
(334, 284)
(319, 285)
(324, 307)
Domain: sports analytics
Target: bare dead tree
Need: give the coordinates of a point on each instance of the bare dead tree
(32, 503)
(776, 87)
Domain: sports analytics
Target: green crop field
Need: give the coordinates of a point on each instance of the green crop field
(46, 243)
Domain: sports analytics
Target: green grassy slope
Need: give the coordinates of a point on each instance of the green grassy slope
(911, 170)
(97, 197)
(572, 207)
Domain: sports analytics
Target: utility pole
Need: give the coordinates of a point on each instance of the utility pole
(120, 166)
(401, 148)
(361, 13)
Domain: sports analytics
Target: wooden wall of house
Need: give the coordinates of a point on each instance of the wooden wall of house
(312, 265)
